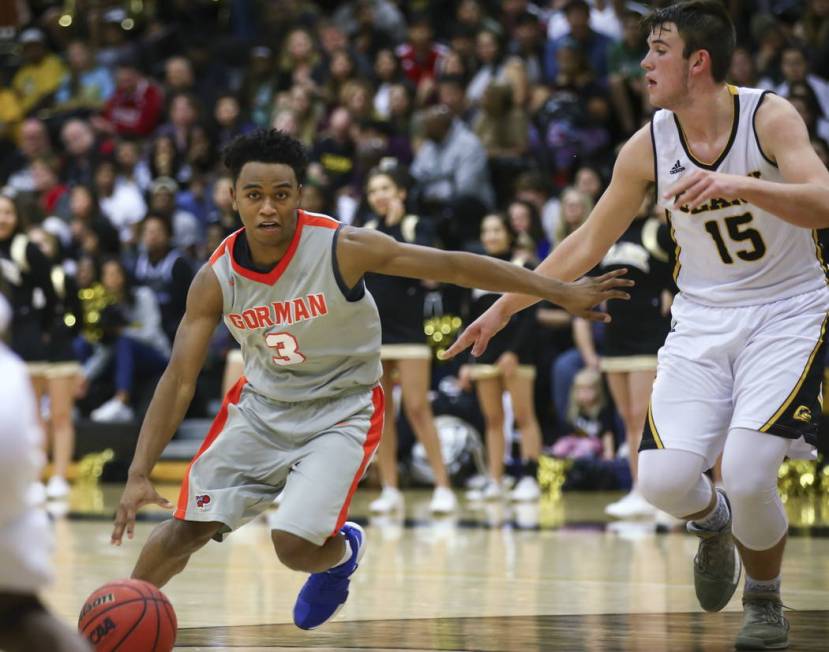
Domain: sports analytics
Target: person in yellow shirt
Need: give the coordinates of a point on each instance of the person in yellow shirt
(40, 75)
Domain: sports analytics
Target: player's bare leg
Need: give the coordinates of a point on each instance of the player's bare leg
(168, 548)
(302, 555)
(763, 565)
(331, 566)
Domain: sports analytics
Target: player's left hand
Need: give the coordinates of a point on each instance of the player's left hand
(696, 188)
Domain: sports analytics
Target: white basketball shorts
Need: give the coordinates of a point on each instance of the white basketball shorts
(756, 367)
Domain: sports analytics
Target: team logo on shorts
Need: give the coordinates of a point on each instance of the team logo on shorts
(803, 413)
(202, 501)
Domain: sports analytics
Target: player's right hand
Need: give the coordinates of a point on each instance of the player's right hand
(138, 492)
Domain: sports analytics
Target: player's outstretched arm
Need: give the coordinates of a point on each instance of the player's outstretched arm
(365, 250)
(583, 249)
(171, 398)
(803, 198)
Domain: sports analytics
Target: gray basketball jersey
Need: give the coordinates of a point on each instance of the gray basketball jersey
(730, 252)
(302, 338)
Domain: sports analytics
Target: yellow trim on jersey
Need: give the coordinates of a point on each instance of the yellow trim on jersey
(819, 254)
(655, 434)
(677, 248)
(768, 424)
(735, 122)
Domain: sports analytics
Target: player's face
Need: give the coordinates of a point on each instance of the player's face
(8, 218)
(380, 192)
(267, 196)
(666, 69)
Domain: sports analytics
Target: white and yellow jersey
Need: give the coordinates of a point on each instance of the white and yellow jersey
(730, 252)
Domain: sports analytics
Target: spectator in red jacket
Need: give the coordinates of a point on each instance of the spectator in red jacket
(420, 56)
(135, 108)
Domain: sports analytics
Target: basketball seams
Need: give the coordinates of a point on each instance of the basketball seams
(111, 607)
(131, 629)
(126, 594)
(157, 625)
(171, 616)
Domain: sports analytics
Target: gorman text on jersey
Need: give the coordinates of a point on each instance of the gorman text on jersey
(280, 313)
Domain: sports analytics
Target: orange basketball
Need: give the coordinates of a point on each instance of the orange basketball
(128, 616)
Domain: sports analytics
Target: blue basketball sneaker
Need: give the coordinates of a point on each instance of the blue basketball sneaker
(325, 593)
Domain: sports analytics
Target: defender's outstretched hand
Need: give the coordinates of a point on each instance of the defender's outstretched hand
(583, 296)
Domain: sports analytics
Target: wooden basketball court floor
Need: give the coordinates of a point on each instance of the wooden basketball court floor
(554, 576)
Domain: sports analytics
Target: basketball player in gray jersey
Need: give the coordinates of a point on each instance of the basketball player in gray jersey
(307, 415)
(741, 370)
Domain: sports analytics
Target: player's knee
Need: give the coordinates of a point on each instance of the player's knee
(664, 479)
(292, 551)
(186, 537)
(746, 484)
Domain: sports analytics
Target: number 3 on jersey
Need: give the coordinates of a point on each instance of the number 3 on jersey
(285, 347)
(737, 234)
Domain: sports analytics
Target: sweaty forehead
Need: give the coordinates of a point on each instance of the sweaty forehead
(266, 174)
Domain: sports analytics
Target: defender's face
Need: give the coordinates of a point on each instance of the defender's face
(267, 196)
(666, 69)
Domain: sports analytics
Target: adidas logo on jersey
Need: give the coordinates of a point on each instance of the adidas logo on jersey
(677, 168)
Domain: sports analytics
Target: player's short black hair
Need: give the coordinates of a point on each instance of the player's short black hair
(703, 25)
(266, 146)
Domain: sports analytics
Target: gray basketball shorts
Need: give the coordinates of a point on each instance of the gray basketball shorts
(316, 451)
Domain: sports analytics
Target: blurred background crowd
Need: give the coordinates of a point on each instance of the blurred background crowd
(113, 116)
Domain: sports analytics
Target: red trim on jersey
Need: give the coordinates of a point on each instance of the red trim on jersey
(318, 219)
(375, 429)
(231, 398)
(269, 278)
(220, 250)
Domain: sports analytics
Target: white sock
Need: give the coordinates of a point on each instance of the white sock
(347, 552)
(762, 586)
(718, 518)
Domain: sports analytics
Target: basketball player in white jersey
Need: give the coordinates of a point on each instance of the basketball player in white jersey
(740, 372)
(25, 534)
(307, 415)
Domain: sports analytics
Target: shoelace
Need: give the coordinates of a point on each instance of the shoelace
(711, 553)
(767, 612)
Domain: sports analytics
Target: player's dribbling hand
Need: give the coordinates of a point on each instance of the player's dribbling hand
(138, 492)
(588, 292)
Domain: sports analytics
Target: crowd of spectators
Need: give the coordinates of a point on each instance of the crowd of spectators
(112, 124)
